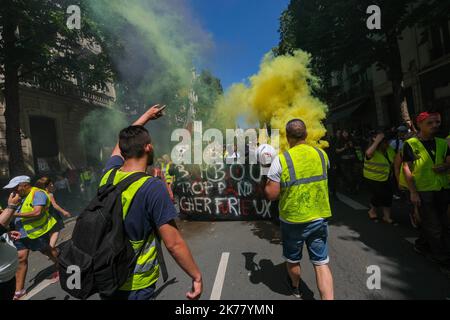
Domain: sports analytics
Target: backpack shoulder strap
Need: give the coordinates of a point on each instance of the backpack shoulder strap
(111, 177)
(124, 184)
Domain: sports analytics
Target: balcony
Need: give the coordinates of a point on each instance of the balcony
(69, 89)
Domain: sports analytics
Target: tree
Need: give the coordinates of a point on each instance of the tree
(208, 89)
(335, 33)
(35, 42)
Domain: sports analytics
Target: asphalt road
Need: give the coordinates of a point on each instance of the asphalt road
(251, 267)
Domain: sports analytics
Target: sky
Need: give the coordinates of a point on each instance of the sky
(242, 32)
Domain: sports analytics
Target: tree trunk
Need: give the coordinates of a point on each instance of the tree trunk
(12, 110)
(396, 76)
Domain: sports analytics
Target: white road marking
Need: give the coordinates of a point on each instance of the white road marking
(220, 277)
(41, 286)
(350, 202)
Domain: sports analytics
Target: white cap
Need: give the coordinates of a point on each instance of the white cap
(266, 154)
(16, 181)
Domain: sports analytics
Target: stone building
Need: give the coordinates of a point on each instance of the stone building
(51, 117)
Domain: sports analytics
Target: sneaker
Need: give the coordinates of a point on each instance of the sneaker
(19, 294)
(295, 291)
(396, 197)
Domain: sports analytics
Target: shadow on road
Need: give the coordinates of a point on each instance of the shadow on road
(267, 230)
(41, 276)
(273, 276)
(164, 286)
(413, 275)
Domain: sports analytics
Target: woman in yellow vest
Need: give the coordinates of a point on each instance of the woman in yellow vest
(378, 172)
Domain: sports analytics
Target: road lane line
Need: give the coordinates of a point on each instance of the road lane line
(41, 286)
(350, 202)
(220, 277)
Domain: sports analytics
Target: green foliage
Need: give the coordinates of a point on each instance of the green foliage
(46, 48)
(335, 32)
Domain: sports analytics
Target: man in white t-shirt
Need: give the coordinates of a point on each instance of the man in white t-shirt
(8, 252)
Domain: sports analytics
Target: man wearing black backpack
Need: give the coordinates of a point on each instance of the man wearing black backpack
(146, 214)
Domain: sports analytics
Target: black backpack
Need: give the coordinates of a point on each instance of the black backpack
(99, 249)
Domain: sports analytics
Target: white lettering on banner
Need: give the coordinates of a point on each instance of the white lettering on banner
(265, 208)
(183, 173)
(253, 177)
(219, 173)
(233, 205)
(221, 186)
(245, 188)
(218, 202)
(195, 186)
(233, 170)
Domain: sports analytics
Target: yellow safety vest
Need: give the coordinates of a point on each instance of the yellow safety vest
(378, 168)
(448, 174)
(146, 272)
(169, 178)
(425, 179)
(86, 176)
(37, 226)
(304, 185)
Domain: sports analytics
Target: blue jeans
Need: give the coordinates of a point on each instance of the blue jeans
(314, 234)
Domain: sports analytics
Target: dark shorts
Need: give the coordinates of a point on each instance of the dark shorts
(59, 221)
(381, 193)
(38, 244)
(143, 294)
(314, 234)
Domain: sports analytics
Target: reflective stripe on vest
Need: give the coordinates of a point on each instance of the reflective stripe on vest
(378, 168)
(304, 186)
(146, 271)
(296, 182)
(425, 179)
(36, 227)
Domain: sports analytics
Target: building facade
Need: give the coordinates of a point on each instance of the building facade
(51, 119)
(367, 101)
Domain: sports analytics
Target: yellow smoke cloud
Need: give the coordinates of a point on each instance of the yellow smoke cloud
(280, 92)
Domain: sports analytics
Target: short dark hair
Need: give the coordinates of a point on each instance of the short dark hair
(132, 141)
(296, 129)
(43, 183)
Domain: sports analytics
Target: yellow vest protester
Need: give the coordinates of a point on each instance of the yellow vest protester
(304, 193)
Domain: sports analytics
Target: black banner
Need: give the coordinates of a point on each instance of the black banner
(222, 192)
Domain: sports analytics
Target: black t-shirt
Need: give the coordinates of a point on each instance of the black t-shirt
(347, 154)
(430, 146)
